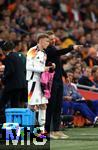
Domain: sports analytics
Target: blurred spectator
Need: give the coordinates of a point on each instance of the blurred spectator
(91, 60)
(77, 72)
(85, 78)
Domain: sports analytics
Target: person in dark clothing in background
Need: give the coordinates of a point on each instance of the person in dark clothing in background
(55, 102)
(13, 79)
(85, 78)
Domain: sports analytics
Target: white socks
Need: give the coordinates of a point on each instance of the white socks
(42, 119)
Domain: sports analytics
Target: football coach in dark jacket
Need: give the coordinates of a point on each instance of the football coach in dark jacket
(55, 102)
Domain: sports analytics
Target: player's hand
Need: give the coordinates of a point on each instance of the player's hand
(53, 65)
(47, 68)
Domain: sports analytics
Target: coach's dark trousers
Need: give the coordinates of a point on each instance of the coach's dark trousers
(54, 107)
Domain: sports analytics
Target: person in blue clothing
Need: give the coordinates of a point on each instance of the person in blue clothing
(85, 80)
(73, 101)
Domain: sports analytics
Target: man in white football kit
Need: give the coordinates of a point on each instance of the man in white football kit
(35, 65)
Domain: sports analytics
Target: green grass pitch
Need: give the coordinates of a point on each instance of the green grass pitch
(79, 139)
